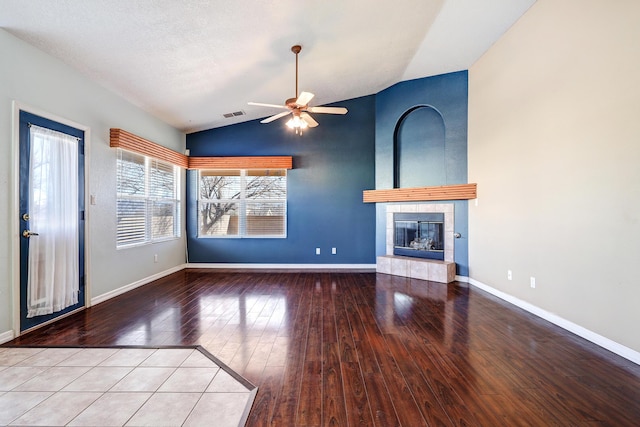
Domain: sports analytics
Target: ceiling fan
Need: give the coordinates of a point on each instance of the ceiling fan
(299, 107)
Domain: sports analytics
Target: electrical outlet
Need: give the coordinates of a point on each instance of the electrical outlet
(333, 251)
(509, 275)
(317, 251)
(533, 282)
(155, 258)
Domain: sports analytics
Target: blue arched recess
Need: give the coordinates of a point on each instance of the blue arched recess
(419, 148)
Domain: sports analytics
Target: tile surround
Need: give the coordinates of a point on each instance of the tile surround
(419, 268)
(118, 387)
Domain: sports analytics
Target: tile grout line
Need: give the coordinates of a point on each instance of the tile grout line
(101, 393)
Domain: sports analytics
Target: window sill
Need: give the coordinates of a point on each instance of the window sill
(149, 243)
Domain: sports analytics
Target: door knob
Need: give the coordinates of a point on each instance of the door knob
(28, 233)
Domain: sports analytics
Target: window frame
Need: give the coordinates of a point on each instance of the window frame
(149, 199)
(241, 203)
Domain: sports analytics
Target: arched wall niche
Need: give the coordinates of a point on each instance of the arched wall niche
(419, 148)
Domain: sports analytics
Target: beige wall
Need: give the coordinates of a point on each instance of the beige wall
(554, 145)
(34, 79)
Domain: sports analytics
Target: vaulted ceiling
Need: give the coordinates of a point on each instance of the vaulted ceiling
(189, 62)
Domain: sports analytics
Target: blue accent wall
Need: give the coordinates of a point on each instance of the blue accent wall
(332, 165)
(421, 140)
(412, 134)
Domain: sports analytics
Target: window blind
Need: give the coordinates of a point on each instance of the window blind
(148, 205)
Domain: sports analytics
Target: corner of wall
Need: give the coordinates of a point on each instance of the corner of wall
(6, 337)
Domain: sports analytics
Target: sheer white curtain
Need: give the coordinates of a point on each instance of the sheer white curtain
(53, 281)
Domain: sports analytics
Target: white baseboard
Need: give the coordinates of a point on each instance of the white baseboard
(578, 330)
(6, 337)
(136, 284)
(371, 267)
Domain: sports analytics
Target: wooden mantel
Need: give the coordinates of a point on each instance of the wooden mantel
(421, 194)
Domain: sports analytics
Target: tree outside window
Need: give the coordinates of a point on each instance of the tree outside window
(242, 203)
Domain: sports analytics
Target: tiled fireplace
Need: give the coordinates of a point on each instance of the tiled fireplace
(417, 267)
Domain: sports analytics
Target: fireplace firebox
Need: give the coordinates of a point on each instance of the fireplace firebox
(419, 235)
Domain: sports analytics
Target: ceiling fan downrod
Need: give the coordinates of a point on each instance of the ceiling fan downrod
(296, 50)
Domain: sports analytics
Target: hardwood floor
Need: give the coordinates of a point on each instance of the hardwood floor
(350, 349)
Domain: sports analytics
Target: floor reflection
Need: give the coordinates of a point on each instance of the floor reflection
(440, 309)
(234, 327)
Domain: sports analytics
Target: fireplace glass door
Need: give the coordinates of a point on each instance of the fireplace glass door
(420, 235)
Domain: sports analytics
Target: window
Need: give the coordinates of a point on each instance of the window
(148, 205)
(242, 203)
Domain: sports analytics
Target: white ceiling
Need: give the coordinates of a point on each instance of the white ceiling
(188, 62)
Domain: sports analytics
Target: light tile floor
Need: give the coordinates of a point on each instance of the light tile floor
(120, 387)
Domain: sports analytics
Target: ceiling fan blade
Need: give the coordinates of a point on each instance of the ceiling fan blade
(307, 118)
(304, 98)
(274, 117)
(260, 104)
(328, 110)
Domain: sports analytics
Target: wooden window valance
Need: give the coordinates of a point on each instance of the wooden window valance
(126, 140)
(244, 162)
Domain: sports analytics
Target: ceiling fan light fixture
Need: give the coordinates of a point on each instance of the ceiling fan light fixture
(298, 124)
(298, 106)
